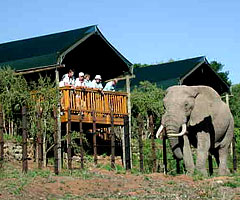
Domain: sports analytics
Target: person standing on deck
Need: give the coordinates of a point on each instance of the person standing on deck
(97, 82)
(67, 79)
(111, 85)
(87, 81)
(80, 80)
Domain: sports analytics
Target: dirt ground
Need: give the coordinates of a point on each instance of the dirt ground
(99, 183)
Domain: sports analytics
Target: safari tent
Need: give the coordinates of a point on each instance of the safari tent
(193, 71)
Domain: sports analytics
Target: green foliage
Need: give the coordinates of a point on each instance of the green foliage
(13, 91)
(138, 65)
(146, 99)
(12, 138)
(235, 183)
(147, 157)
(218, 67)
(235, 104)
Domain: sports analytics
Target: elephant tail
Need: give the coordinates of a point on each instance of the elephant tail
(228, 136)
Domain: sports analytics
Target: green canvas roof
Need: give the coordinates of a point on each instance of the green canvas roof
(193, 71)
(48, 50)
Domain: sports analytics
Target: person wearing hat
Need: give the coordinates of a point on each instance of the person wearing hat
(97, 82)
(110, 86)
(80, 80)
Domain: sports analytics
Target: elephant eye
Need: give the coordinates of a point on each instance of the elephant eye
(186, 104)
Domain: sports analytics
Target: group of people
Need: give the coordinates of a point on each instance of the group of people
(84, 81)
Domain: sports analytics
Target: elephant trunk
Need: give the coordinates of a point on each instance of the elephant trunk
(173, 126)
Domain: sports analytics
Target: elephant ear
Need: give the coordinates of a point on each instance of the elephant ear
(201, 107)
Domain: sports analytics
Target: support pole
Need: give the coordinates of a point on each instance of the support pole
(81, 139)
(112, 141)
(69, 140)
(164, 152)
(94, 137)
(128, 87)
(59, 148)
(234, 154)
(39, 140)
(1, 138)
(178, 166)
(154, 159)
(127, 143)
(24, 140)
(56, 169)
(210, 164)
(140, 133)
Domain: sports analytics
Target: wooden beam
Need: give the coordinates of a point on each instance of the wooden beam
(121, 78)
(45, 68)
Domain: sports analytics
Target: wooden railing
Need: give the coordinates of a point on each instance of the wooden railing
(88, 102)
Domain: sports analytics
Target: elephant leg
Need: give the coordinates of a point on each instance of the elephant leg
(223, 154)
(203, 146)
(187, 156)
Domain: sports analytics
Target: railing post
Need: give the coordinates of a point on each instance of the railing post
(81, 139)
(56, 168)
(69, 142)
(140, 133)
(112, 141)
(24, 141)
(127, 143)
(1, 138)
(94, 137)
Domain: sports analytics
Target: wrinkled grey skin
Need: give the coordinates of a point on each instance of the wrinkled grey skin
(209, 125)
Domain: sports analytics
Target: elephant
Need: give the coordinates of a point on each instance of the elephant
(196, 115)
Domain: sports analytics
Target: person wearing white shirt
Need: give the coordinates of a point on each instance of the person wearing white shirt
(80, 80)
(67, 79)
(88, 82)
(110, 86)
(97, 82)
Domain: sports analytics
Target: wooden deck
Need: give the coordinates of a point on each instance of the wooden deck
(93, 105)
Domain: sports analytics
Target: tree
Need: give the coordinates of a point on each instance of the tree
(218, 67)
(146, 99)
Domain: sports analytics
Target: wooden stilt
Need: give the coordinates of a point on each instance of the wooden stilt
(112, 141)
(24, 139)
(94, 138)
(39, 140)
(56, 169)
(164, 152)
(210, 164)
(178, 166)
(127, 143)
(81, 140)
(234, 154)
(140, 133)
(69, 141)
(154, 159)
(1, 138)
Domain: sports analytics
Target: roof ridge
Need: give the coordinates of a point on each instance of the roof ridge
(47, 35)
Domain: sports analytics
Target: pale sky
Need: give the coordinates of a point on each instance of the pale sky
(143, 31)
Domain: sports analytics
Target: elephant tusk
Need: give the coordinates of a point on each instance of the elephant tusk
(184, 130)
(159, 130)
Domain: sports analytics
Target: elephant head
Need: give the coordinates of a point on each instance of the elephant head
(185, 105)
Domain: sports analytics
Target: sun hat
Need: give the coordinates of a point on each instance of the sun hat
(98, 77)
(81, 74)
